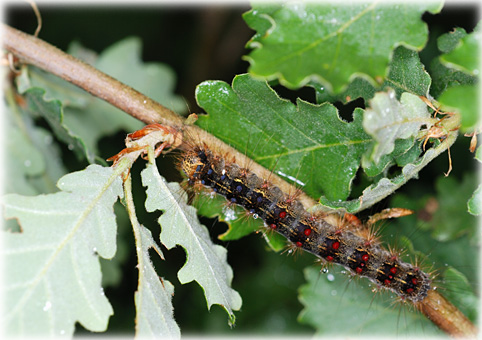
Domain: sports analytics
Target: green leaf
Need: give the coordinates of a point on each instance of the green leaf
(305, 143)
(448, 42)
(463, 99)
(154, 316)
(444, 77)
(465, 56)
(332, 44)
(458, 289)
(474, 205)
(52, 269)
(239, 226)
(386, 186)
(334, 305)
(206, 262)
(407, 73)
(53, 113)
(405, 151)
(33, 162)
(358, 88)
(22, 159)
(387, 119)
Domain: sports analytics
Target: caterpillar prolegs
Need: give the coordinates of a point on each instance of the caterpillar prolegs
(287, 216)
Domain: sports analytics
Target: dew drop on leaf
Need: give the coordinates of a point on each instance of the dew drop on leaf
(47, 306)
(229, 214)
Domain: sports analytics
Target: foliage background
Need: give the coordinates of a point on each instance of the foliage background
(202, 43)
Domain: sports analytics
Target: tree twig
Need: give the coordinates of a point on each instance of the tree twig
(34, 51)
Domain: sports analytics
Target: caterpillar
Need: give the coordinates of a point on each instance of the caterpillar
(284, 214)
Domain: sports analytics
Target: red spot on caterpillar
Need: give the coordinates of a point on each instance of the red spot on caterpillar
(272, 226)
(365, 257)
(329, 258)
(393, 270)
(409, 290)
(282, 214)
(359, 270)
(414, 281)
(299, 244)
(336, 245)
(387, 282)
(307, 231)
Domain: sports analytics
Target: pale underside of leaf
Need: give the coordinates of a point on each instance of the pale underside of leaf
(387, 119)
(53, 276)
(206, 262)
(386, 186)
(154, 316)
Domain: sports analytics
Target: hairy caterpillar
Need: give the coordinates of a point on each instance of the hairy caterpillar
(346, 243)
(284, 214)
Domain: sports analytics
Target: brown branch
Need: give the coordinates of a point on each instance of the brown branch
(446, 316)
(36, 52)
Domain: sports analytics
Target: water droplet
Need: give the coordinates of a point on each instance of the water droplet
(27, 163)
(94, 250)
(334, 292)
(71, 146)
(229, 214)
(255, 216)
(145, 101)
(325, 270)
(62, 332)
(47, 306)
(330, 277)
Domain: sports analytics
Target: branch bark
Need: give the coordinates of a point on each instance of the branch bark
(34, 51)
